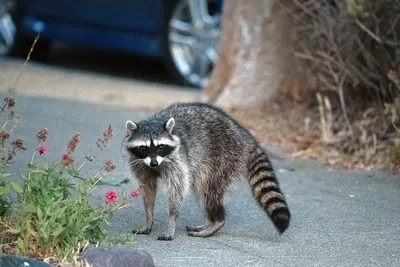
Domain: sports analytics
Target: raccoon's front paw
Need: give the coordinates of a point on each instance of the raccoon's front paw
(165, 238)
(142, 232)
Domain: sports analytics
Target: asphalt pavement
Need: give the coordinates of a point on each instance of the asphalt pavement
(339, 217)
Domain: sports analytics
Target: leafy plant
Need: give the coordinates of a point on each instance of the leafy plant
(7, 154)
(52, 216)
(357, 8)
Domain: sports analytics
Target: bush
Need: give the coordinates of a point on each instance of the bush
(348, 52)
(52, 216)
(347, 46)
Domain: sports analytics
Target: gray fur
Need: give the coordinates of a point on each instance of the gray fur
(212, 152)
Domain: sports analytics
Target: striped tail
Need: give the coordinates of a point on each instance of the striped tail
(265, 188)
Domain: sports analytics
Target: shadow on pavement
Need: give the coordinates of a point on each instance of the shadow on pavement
(108, 62)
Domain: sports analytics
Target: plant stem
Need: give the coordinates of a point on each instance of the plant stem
(5, 124)
(2, 111)
(26, 61)
(80, 167)
(91, 154)
(12, 129)
(33, 157)
(97, 174)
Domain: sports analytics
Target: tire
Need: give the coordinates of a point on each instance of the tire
(20, 44)
(175, 69)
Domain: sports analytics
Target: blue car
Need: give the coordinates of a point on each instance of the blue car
(182, 33)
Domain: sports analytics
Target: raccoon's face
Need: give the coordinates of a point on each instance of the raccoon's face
(151, 142)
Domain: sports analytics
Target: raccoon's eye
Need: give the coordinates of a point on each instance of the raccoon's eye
(160, 147)
(144, 148)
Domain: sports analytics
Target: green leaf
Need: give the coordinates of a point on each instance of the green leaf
(31, 166)
(29, 208)
(39, 213)
(24, 176)
(89, 157)
(59, 229)
(21, 246)
(4, 190)
(13, 231)
(17, 187)
(397, 143)
(387, 108)
(45, 235)
(4, 175)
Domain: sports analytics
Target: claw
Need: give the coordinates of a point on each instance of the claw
(142, 232)
(208, 231)
(195, 228)
(165, 238)
(191, 233)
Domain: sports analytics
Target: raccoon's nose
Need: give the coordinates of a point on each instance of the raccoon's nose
(153, 163)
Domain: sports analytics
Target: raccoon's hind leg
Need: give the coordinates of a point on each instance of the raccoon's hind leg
(214, 209)
(148, 189)
(198, 194)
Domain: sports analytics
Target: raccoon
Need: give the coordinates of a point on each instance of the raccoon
(196, 146)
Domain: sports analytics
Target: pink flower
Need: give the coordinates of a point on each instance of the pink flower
(135, 193)
(111, 196)
(42, 150)
(67, 160)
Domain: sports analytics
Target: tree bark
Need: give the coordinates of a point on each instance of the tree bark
(250, 68)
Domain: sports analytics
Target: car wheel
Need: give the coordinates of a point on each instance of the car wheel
(12, 42)
(8, 27)
(192, 34)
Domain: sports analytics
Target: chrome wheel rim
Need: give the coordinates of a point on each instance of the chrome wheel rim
(193, 37)
(8, 31)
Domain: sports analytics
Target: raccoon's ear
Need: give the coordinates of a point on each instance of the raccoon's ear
(169, 125)
(130, 127)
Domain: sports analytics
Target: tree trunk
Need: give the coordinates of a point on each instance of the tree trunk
(250, 68)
